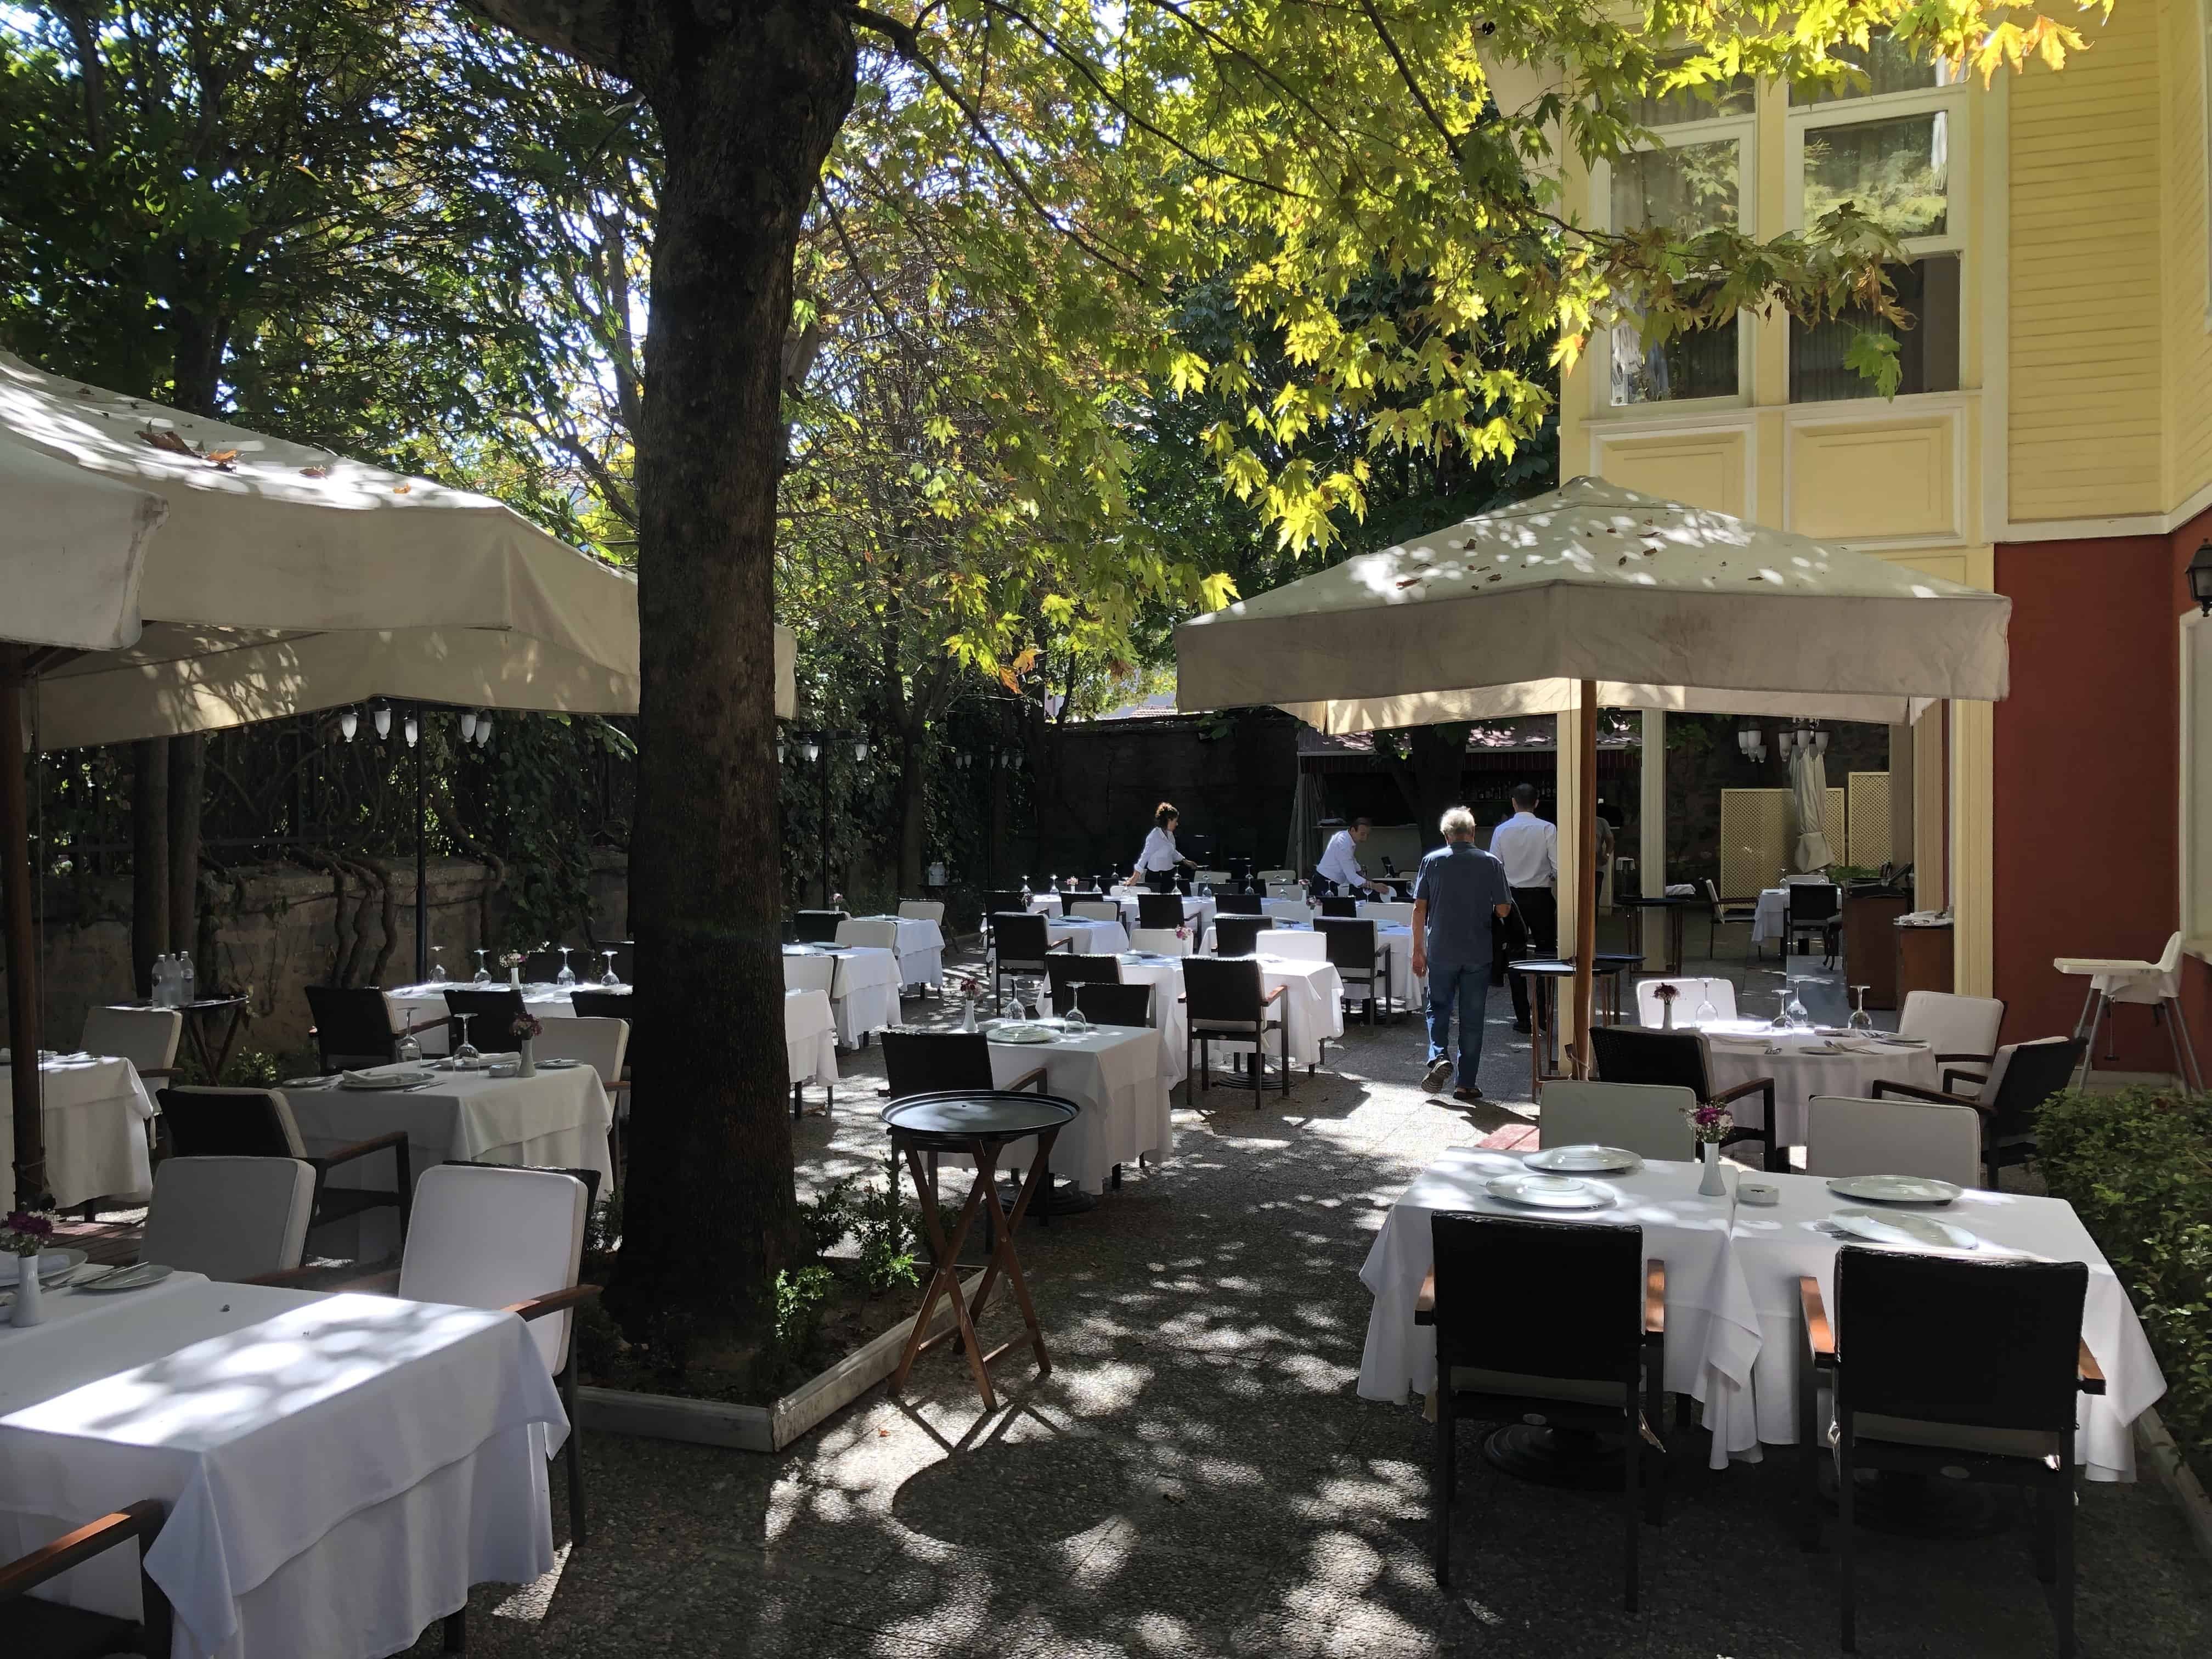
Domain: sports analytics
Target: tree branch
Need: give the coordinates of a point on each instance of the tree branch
(594, 31)
(1405, 74)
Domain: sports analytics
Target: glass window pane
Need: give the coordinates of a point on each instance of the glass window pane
(1928, 352)
(1689, 189)
(1889, 67)
(1702, 364)
(1897, 173)
(1708, 101)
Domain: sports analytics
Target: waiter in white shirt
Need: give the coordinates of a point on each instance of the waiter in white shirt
(1158, 864)
(1529, 848)
(1339, 863)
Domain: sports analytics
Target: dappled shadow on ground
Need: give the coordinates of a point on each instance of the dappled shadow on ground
(1196, 1475)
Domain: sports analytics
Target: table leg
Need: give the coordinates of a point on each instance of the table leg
(944, 1279)
(1674, 938)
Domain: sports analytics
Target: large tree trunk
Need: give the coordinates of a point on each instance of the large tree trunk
(1433, 777)
(747, 113)
(913, 810)
(149, 857)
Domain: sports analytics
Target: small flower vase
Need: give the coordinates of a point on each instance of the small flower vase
(526, 1051)
(28, 1310)
(1712, 1185)
(515, 977)
(1666, 1014)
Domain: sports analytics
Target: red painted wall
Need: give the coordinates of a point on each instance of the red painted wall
(2087, 777)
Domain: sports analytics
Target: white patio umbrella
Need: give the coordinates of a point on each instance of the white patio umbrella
(1593, 595)
(1809, 779)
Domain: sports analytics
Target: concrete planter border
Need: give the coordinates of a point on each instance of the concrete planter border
(756, 1428)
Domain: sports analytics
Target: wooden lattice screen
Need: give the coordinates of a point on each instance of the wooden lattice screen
(1759, 835)
(1869, 821)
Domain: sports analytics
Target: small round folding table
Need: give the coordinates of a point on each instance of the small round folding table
(982, 1123)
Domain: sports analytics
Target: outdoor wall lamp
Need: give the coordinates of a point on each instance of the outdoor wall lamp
(812, 750)
(380, 712)
(349, 723)
(860, 749)
(467, 725)
(2200, 580)
(484, 728)
(413, 728)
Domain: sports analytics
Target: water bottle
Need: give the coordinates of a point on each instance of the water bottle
(184, 979)
(162, 997)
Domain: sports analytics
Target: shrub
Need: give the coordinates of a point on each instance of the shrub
(2136, 1165)
(889, 1233)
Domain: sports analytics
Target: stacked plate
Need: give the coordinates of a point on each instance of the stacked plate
(1904, 1227)
(1022, 1032)
(1585, 1160)
(1894, 1189)
(1549, 1192)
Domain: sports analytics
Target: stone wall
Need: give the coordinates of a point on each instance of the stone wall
(272, 931)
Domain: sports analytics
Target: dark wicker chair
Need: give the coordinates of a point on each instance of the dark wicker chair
(1628, 1054)
(48, 1630)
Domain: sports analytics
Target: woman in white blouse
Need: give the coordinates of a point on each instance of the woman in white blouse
(1158, 863)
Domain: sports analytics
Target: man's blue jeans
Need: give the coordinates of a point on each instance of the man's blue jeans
(1466, 987)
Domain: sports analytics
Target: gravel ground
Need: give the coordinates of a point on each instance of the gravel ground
(1196, 1475)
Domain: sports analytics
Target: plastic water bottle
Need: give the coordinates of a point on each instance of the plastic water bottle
(184, 978)
(162, 997)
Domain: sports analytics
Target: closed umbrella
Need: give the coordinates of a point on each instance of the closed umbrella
(1808, 777)
(1592, 595)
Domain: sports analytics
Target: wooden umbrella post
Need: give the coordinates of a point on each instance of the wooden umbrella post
(1585, 879)
(22, 959)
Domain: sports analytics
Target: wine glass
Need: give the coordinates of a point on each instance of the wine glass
(1030, 991)
(466, 1057)
(409, 1049)
(483, 974)
(1781, 1020)
(568, 975)
(1011, 1008)
(437, 968)
(1076, 1022)
(1799, 1020)
(1707, 1014)
(1861, 1020)
(609, 977)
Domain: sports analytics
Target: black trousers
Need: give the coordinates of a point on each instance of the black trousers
(1538, 908)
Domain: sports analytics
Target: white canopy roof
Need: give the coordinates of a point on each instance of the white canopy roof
(288, 579)
(72, 546)
(1665, 607)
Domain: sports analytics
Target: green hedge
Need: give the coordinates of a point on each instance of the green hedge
(2136, 1165)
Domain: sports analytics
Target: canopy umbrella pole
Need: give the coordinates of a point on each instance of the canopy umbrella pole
(421, 885)
(1585, 878)
(22, 959)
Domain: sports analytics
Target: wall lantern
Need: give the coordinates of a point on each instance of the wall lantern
(2200, 578)
(349, 723)
(380, 712)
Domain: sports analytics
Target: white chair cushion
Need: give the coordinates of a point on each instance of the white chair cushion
(1848, 1136)
(922, 909)
(600, 1042)
(1293, 944)
(1693, 992)
(229, 1218)
(881, 932)
(809, 973)
(486, 1238)
(1952, 1025)
(1388, 911)
(147, 1037)
(1646, 1118)
(1097, 909)
(1160, 941)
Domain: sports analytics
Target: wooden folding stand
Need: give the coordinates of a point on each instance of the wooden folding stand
(982, 1125)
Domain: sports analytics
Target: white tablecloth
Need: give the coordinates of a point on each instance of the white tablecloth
(1771, 918)
(1404, 985)
(94, 1111)
(1774, 1246)
(1799, 1076)
(1169, 1015)
(1092, 939)
(862, 981)
(920, 947)
(1712, 1332)
(1112, 1072)
(1733, 1328)
(339, 1469)
(556, 1120)
(1313, 1001)
(428, 1002)
(810, 1036)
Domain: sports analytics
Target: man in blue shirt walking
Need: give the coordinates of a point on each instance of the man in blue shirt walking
(1459, 893)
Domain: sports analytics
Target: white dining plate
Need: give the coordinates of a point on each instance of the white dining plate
(130, 1278)
(1904, 1227)
(1894, 1189)
(1549, 1192)
(52, 1265)
(1585, 1160)
(379, 1080)
(1022, 1033)
(558, 1065)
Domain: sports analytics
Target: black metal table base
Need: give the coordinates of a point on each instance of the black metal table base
(1574, 1458)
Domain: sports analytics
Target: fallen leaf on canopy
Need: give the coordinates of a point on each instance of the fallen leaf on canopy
(314, 472)
(401, 489)
(167, 440)
(225, 459)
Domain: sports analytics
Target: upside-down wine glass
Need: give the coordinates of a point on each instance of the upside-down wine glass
(568, 975)
(1861, 1020)
(466, 1057)
(1781, 1020)
(1800, 1020)
(609, 977)
(437, 968)
(483, 974)
(1707, 1013)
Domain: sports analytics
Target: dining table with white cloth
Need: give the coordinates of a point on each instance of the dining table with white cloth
(1113, 1073)
(861, 982)
(1403, 985)
(1170, 1014)
(1091, 936)
(427, 1002)
(918, 943)
(1736, 1051)
(1713, 1332)
(1197, 913)
(1770, 916)
(337, 1470)
(1313, 992)
(94, 1109)
(558, 1119)
(810, 1036)
(1734, 1324)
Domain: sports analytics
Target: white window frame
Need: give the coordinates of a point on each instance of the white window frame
(1949, 102)
(1743, 130)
